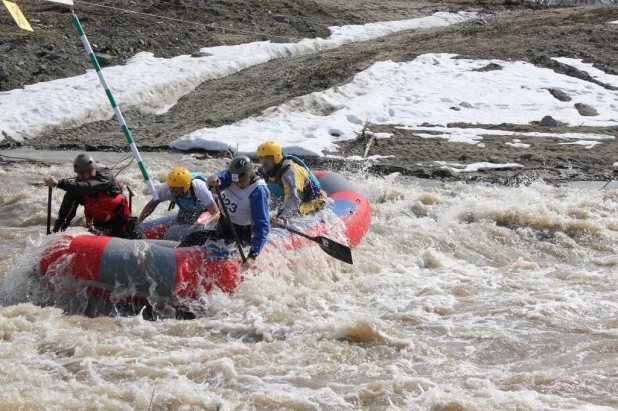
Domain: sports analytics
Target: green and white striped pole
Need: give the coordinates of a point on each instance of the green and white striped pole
(110, 96)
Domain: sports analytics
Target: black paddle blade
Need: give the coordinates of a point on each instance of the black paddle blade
(330, 247)
(334, 249)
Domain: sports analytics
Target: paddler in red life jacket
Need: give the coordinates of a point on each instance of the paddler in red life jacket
(290, 182)
(106, 208)
(190, 192)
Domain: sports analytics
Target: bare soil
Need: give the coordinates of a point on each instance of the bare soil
(505, 31)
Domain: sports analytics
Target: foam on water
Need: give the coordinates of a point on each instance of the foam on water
(460, 297)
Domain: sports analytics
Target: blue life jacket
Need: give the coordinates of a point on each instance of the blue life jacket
(192, 204)
(276, 190)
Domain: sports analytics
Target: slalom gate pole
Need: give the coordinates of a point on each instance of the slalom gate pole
(110, 96)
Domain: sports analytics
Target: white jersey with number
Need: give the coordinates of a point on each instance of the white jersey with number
(238, 203)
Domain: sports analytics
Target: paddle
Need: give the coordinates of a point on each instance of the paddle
(330, 247)
(610, 180)
(230, 224)
(49, 204)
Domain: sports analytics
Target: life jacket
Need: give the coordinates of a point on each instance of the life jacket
(191, 204)
(106, 206)
(237, 201)
(311, 189)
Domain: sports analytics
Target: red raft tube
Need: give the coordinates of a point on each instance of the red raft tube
(156, 270)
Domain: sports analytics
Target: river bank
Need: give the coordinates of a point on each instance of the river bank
(534, 34)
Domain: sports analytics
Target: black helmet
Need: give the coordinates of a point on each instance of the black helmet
(240, 168)
(84, 162)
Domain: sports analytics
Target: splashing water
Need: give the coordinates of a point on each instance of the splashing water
(461, 297)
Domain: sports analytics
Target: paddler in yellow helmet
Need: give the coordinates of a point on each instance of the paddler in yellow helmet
(289, 179)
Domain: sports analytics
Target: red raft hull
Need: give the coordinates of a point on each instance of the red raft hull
(156, 269)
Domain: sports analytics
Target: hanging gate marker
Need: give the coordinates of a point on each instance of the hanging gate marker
(17, 15)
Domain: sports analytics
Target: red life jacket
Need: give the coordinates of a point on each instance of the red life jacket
(106, 207)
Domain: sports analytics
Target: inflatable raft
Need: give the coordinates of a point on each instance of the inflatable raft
(156, 270)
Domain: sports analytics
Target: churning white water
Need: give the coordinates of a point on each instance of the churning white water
(461, 297)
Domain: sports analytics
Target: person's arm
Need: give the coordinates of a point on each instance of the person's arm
(148, 209)
(205, 196)
(261, 227)
(221, 179)
(215, 214)
(102, 181)
(292, 193)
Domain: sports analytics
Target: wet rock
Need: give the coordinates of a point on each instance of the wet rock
(200, 54)
(104, 59)
(441, 173)
(489, 67)
(559, 95)
(548, 121)
(586, 110)
(51, 57)
(42, 69)
(421, 172)
(9, 142)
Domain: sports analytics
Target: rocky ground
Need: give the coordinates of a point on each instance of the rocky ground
(506, 31)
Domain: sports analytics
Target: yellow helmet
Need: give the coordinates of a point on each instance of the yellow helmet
(270, 148)
(179, 177)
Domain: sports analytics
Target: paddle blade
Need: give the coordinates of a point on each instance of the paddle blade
(334, 249)
(330, 247)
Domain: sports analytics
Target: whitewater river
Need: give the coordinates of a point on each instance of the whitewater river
(461, 297)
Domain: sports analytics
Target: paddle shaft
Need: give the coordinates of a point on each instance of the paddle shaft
(291, 230)
(230, 224)
(334, 249)
(49, 207)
